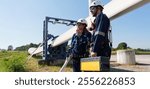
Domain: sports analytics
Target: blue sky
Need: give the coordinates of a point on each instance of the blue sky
(21, 21)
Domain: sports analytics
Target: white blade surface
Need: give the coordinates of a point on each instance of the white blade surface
(113, 9)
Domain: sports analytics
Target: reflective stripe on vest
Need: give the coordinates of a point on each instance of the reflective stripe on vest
(99, 33)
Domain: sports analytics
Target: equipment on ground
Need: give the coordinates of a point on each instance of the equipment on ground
(95, 64)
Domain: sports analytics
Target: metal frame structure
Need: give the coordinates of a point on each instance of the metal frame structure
(47, 36)
(114, 9)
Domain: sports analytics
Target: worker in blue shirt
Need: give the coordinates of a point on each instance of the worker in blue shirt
(79, 44)
(100, 42)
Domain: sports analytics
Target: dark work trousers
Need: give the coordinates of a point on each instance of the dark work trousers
(106, 52)
(76, 64)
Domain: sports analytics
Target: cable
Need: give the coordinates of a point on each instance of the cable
(29, 57)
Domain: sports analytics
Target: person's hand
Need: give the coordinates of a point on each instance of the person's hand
(93, 54)
(92, 25)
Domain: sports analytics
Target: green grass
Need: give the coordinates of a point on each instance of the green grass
(15, 61)
(12, 61)
(136, 52)
(142, 53)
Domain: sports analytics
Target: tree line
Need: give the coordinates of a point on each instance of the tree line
(121, 46)
(26, 47)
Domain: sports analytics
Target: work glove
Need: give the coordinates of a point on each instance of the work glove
(93, 54)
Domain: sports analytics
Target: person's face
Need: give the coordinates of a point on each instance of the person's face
(80, 28)
(93, 10)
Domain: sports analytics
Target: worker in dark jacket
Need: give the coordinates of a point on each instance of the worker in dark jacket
(79, 44)
(100, 41)
(89, 36)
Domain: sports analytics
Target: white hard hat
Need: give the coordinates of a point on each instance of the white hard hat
(96, 3)
(83, 21)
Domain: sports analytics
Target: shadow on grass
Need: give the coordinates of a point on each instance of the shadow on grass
(58, 63)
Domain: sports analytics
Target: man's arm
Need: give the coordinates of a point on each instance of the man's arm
(98, 38)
